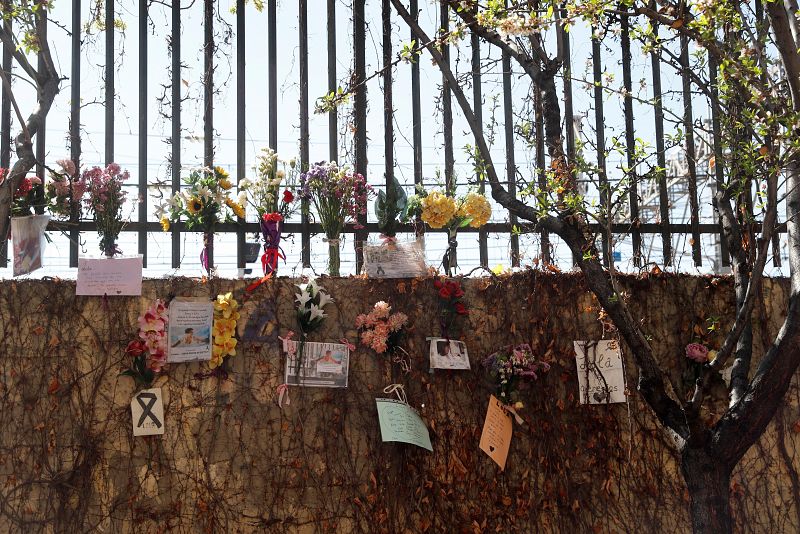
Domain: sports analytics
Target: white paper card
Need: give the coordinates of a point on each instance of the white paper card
(190, 323)
(448, 354)
(399, 422)
(601, 377)
(109, 276)
(324, 365)
(395, 260)
(147, 413)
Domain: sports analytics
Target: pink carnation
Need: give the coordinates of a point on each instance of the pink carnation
(382, 310)
(697, 352)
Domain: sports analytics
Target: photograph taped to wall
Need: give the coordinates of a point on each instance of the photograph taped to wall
(28, 238)
(448, 354)
(601, 375)
(324, 365)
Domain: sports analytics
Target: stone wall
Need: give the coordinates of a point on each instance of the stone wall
(232, 461)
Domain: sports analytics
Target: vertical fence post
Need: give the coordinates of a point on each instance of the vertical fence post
(511, 166)
(333, 115)
(477, 98)
(241, 119)
(661, 152)
(688, 124)
(630, 143)
(110, 93)
(142, 238)
(541, 171)
(75, 120)
(175, 159)
(447, 115)
(416, 114)
(360, 107)
(388, 104)
(304, 148)
(208, 97)
(599, 123)
(41, 22)
(5, 123)
(719, 169)
(563, 46)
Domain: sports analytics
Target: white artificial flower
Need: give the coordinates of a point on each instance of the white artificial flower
(175, 201)
(316, 312)
(242, 198)
(219, 196)
(244, 183)
(204, 192)
(302, 298)
(161, 210)
(324, 299)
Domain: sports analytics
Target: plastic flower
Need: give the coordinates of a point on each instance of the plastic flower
(438, 209)
(380, 330)
(225, 184)
(224, 330)
(194, 205)
(477, 208)
(697, 352)
(164, 224)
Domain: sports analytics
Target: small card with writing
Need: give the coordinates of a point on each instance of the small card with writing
(497, 430)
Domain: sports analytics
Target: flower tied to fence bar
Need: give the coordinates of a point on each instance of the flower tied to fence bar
(339, 196)
(274, 207)
(451, 304)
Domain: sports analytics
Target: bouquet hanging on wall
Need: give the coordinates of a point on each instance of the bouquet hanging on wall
(382, 331)
(442, 210)
(27, 197)
(509, 368)
(149, 350)
(451, 305)
(206, 202)
(104, 202)
(271, 193)
(310, 313)
(226, 314)
(65, 190)
(339, 196)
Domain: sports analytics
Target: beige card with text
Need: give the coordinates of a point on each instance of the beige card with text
(497, 430)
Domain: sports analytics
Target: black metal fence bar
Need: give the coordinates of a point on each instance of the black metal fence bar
(630, 143)
(599, 123)
(416, 106)
(5, 121)
(333, 116)
(688, 124)
(477, 98)
(388, 104)
(109, 85)
(661, 153)
(241, 118)
(511, 165)
(304, 139)
(175, 158)
(41, 136)
(541, 172)
(360, 107)
(143, 129)
(208, 97)
(447, 115)
(75, 116)
(719, 170)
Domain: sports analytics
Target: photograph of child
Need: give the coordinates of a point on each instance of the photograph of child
(323, 365)
(448, 354)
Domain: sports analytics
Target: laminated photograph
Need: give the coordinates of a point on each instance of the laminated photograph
(190, 323)
(324, 365)
(395, 260)
(448, 354)
(601, 376)
(27, 234)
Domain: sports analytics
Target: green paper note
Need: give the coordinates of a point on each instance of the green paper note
(399, 422)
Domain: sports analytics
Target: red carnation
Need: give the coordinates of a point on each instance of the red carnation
(272, 217)
(288, 197)
(445, 293)
(461, 309)
(437, 284)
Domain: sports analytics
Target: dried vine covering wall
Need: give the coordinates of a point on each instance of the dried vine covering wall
(232, 461)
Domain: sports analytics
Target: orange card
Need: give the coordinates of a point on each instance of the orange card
(497, 430)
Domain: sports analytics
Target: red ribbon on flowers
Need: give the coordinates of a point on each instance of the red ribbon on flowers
(281, 392)
(270, 258)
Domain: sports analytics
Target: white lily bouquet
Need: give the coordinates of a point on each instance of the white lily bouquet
(311, 302)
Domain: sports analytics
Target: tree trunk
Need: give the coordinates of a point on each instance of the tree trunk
(708, 480)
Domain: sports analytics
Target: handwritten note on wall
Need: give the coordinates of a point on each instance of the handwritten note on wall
(399, 422)
(497, 430)
(109, 276)
(601, 377)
